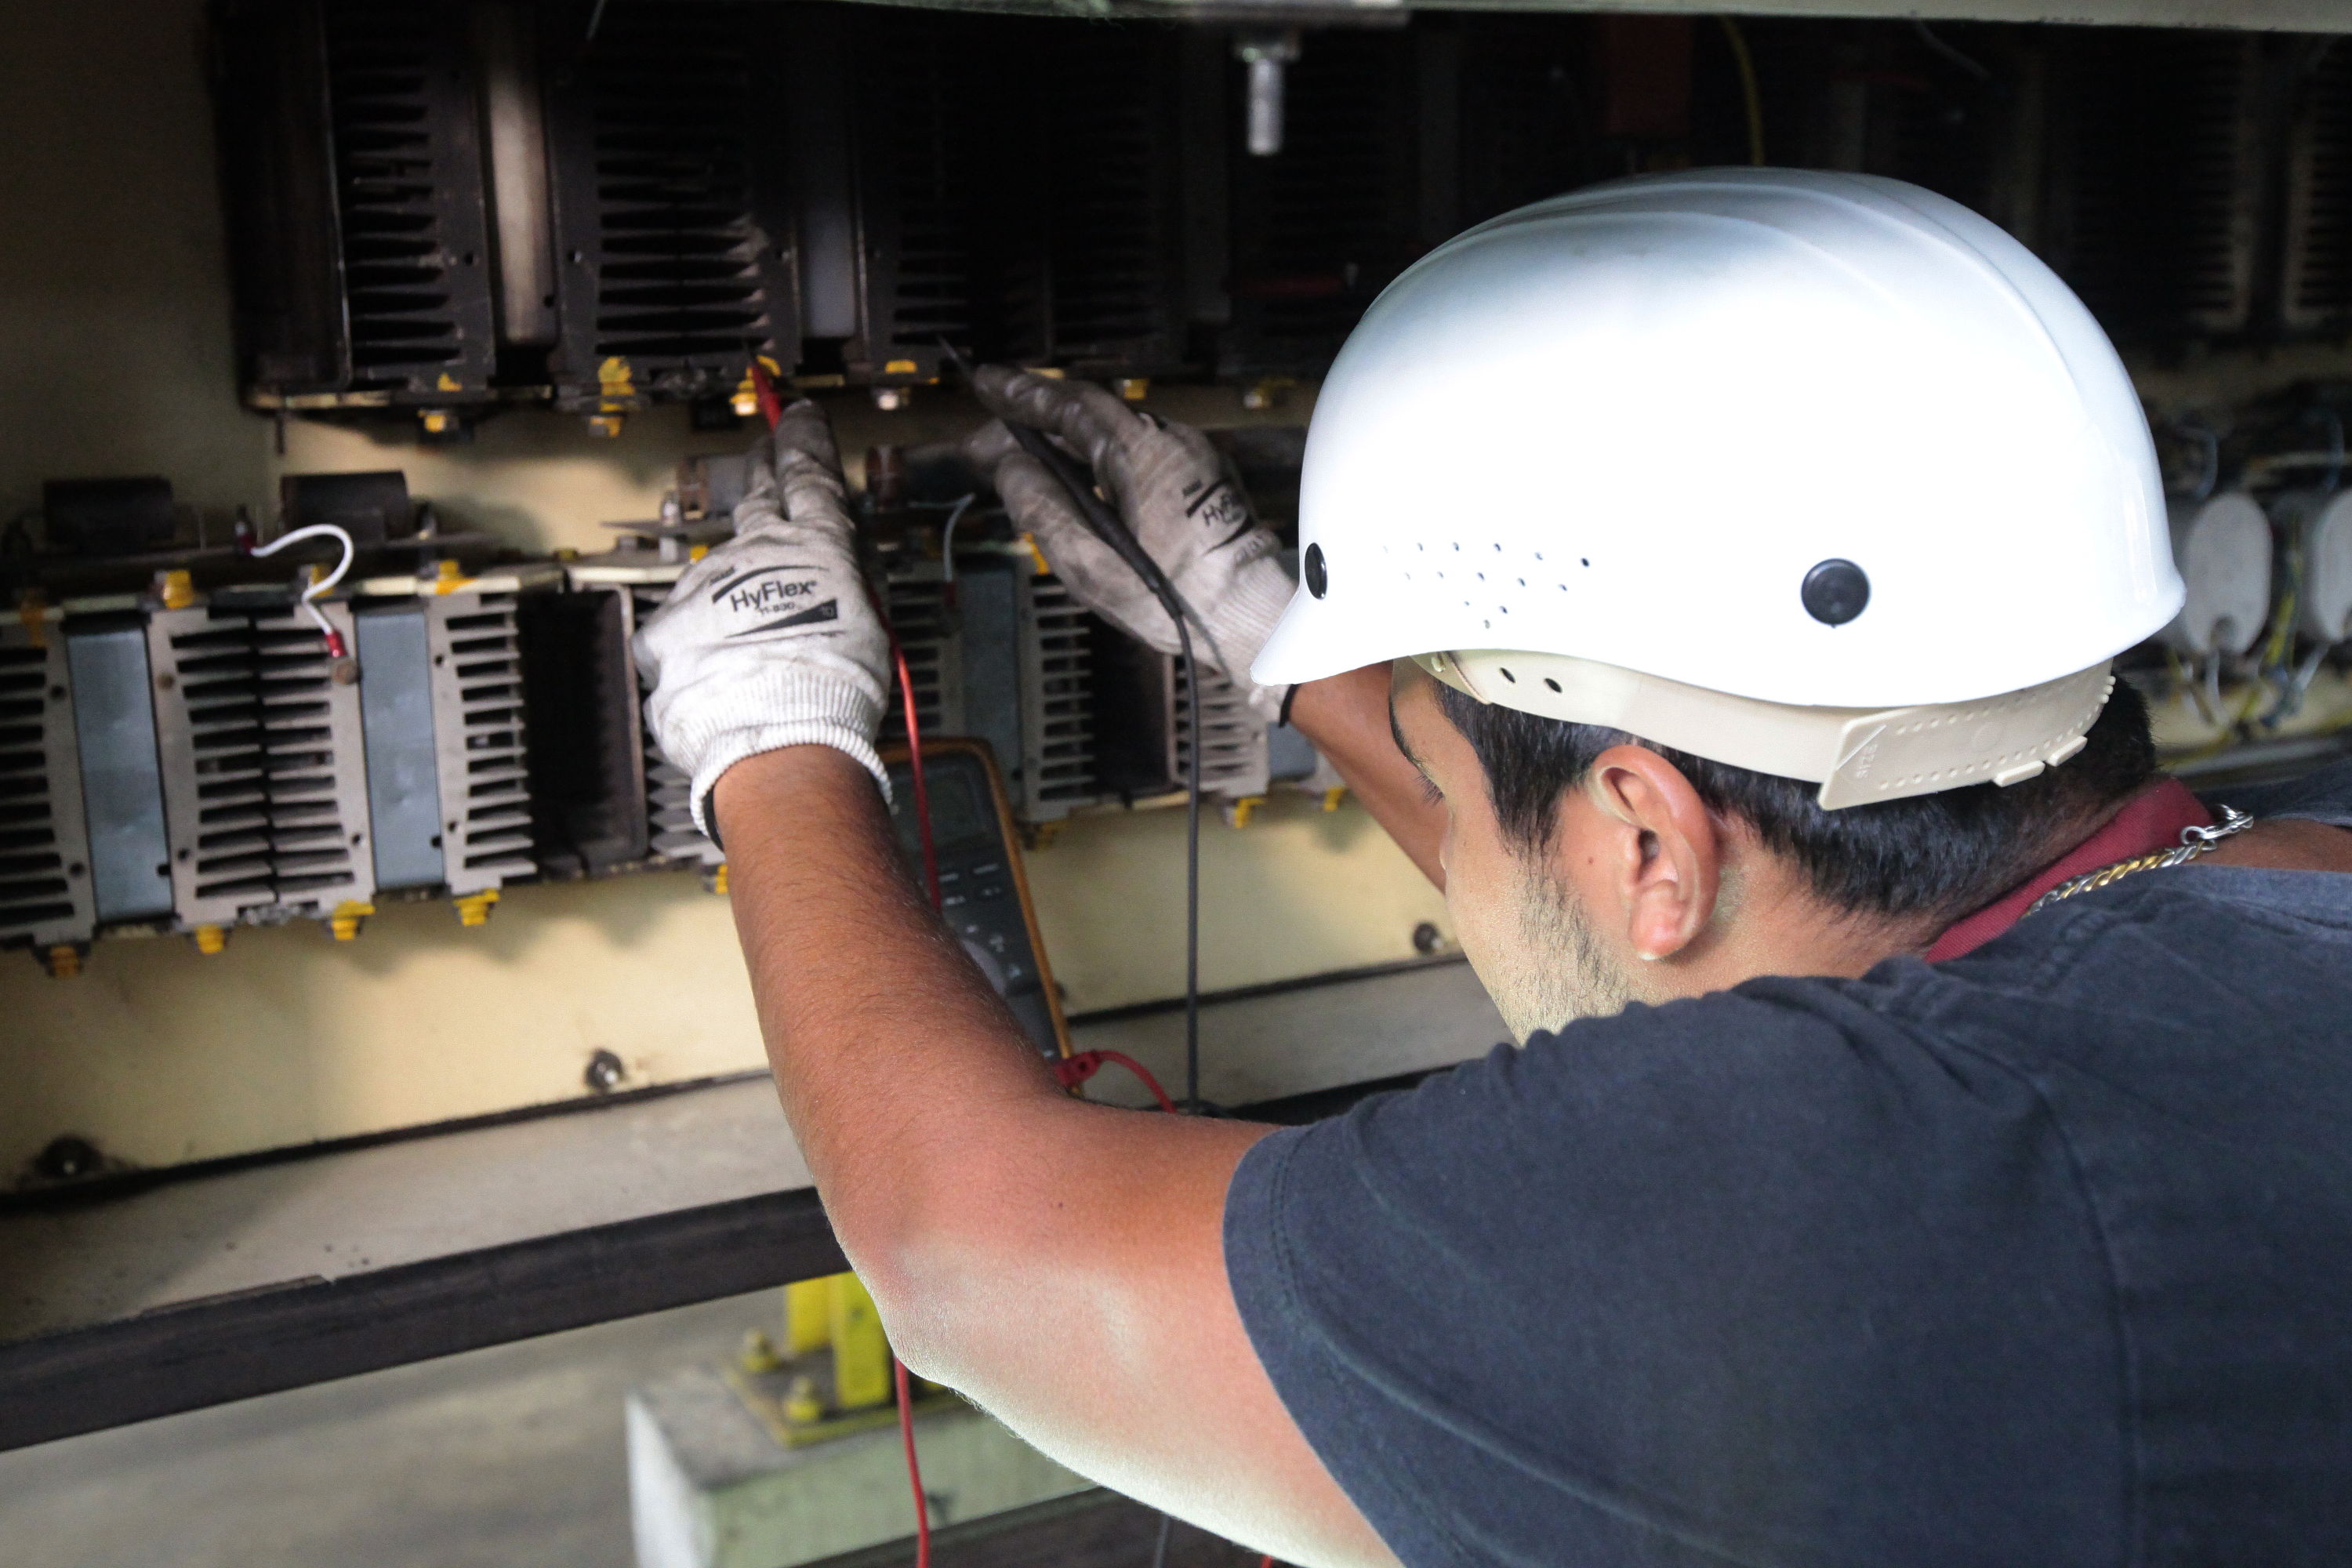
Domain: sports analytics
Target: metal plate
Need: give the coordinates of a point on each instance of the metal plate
(404, 777)
(122, 777)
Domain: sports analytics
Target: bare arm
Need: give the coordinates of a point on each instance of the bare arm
(1060, 1263)
(1347, 717)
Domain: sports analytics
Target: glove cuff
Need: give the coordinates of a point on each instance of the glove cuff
(826, 710)
(1247, 610)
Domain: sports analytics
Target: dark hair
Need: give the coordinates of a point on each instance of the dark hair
(1947, 854)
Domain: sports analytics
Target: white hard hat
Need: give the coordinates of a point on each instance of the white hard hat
(1819, 474)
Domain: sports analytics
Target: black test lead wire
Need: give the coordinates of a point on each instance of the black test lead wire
(1107, 525)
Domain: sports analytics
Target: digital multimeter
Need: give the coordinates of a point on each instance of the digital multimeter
(983, 892)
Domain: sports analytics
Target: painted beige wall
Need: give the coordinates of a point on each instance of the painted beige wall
(114, 336)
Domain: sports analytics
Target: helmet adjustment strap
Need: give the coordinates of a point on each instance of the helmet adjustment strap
(1857, 755)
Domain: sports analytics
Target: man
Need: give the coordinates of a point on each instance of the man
(1736, 560)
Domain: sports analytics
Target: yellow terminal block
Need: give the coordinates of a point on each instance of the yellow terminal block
(345, 921)
(448, 577)
(210, 940)
(808, 1316)
(1239, 813)
(901, 367)
(474, 909)
(439, 421)
(1333, 796)
(861, 1355)
(1133, 388)
(697, 552)
(65, 961)
(1029, 542)
(604, 427)
(176, 589)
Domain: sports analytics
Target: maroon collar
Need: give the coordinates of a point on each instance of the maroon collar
(2150, 821)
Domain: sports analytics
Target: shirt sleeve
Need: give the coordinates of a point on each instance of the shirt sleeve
(1755, 1277)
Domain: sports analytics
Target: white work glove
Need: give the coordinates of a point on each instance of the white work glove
(769, 640)
(1171, 488)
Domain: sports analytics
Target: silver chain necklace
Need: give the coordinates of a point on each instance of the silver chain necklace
(2194, 841)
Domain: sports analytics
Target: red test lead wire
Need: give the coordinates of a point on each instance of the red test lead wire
(1074, 1071)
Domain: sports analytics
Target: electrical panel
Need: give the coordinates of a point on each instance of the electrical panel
(355, 184)
(671, 235)
(2315, 290)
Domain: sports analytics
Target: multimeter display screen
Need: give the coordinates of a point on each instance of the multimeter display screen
(960, 808)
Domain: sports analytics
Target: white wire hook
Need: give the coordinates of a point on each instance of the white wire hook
(325, 584)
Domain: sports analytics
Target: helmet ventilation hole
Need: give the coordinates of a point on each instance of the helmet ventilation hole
(1550, 682)
(1509, 677)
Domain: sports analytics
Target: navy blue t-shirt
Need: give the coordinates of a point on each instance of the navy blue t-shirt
(2039, 1257)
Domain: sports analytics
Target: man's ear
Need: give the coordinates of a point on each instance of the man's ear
(1661, 860)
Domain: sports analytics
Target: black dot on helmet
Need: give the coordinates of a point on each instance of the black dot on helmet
(1318, 578)
(1550, 682)
(1509, 677)
(1835, 592)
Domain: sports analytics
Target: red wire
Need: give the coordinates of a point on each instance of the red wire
(771, 405)
(915, 768)
(1074, 1070)
(914, 1465)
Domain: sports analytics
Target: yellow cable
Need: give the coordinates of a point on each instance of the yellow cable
(1748, 90)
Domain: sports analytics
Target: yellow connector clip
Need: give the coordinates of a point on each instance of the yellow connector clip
(210, 940)
(1132, 388)
(697, 552)
(345, 921)
(474, 909)
(1333, 796)
(448, 577)
(1239, 813)
(1029, 542)
(176, 589)
(65, 961)
(718, 879)
(32, 608)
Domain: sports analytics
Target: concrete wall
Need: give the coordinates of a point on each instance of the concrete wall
(115, 359)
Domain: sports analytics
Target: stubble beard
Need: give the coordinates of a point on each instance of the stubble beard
(1566, 973)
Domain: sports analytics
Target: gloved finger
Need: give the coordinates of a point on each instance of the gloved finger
(1088, 417)
(808, 469)
(1028, 488)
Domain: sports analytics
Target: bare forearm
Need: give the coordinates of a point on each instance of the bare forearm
(1347, 717)
(888, 1047)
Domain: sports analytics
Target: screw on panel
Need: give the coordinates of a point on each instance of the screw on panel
(68, 1158)
(1427, 939)
(604, 1072)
